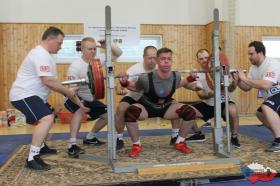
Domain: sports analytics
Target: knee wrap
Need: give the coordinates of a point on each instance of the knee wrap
(186, 112)
(132, 113)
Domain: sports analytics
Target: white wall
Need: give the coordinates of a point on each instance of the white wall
(258, 12)
(248, 12)
(123, 11)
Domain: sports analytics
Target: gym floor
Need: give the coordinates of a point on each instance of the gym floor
(153, 123)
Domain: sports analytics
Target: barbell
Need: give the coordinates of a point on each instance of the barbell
(95, 78)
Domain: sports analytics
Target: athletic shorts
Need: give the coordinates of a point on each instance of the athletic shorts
(128, 99)
(155, 110)
(97, 108)
(33, 108)
(273, 102)
(207, 111)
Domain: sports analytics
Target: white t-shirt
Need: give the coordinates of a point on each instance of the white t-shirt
(78, 70)
(39, 62)
(138, 68)
(268, 70)
(210, 101)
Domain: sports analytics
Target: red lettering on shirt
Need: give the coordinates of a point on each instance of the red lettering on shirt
(71, 77)
(269, 74)
(44, 69)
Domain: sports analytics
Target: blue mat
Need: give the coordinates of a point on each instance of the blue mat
(9, 143)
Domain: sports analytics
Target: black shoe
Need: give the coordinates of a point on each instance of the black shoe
(120, 144)
(47, 150)
(37, 164)
(197, 137)
(93, 141)
(275, 147)
(173, 140)
(75, 151)
(235, 142)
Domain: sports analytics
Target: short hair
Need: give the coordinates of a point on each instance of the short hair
(258, 45)
(52, 31)
(200, 51)
(89, 39)
(164, 50)
(147, 48)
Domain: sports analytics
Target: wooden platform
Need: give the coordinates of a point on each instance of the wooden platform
(156, 149)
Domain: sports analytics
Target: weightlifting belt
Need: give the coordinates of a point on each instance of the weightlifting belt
(146, 101)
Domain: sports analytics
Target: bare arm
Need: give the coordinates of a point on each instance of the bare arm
(116, 51)
(130, 85)
(55, 85)
(258, 84)
(202, 94)
(247, 83)
(233, 82)
(195, 85)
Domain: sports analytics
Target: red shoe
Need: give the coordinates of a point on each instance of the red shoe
(136, 149)
(182, 147)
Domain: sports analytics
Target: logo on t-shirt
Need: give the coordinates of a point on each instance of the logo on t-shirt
(44, 69)
(269, 74)
(71, 77)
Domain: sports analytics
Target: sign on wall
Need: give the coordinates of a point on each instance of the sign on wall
(121, 35)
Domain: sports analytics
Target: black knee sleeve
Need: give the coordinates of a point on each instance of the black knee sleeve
(186, 112)
(132, 113)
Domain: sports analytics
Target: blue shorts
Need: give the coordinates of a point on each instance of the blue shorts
(33, 108)
(97, 108)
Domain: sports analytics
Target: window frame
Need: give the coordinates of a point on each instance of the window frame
(266, 39)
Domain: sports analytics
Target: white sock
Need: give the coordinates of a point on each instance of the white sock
(180, 139)
(120, 136)
(175, 133)
(33, 152)
(72, 141)
(137, 142)
(90, 135)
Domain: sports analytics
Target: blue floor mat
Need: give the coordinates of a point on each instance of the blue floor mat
(8, 143)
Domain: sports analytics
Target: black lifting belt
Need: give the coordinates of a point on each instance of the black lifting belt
(146, 101)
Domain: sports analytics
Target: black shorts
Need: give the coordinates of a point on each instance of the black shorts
(128, 99)
(155, 110)
(273, 102)
(97, 108)
(33, 108)
(207, 111)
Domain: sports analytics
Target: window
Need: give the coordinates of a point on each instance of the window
(135, 53)
(272, 46)
(68, 52)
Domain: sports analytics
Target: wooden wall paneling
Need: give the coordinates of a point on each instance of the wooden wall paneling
(248, 101)
(2, 98)
(16, 39)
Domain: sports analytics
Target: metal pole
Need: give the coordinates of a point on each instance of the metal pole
(110, 88)
(226, 84)
(217, 130)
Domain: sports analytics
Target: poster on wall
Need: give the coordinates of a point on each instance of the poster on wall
(121, 35)
(127, 37)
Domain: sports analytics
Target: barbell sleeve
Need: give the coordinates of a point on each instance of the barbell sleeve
(82, 81)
